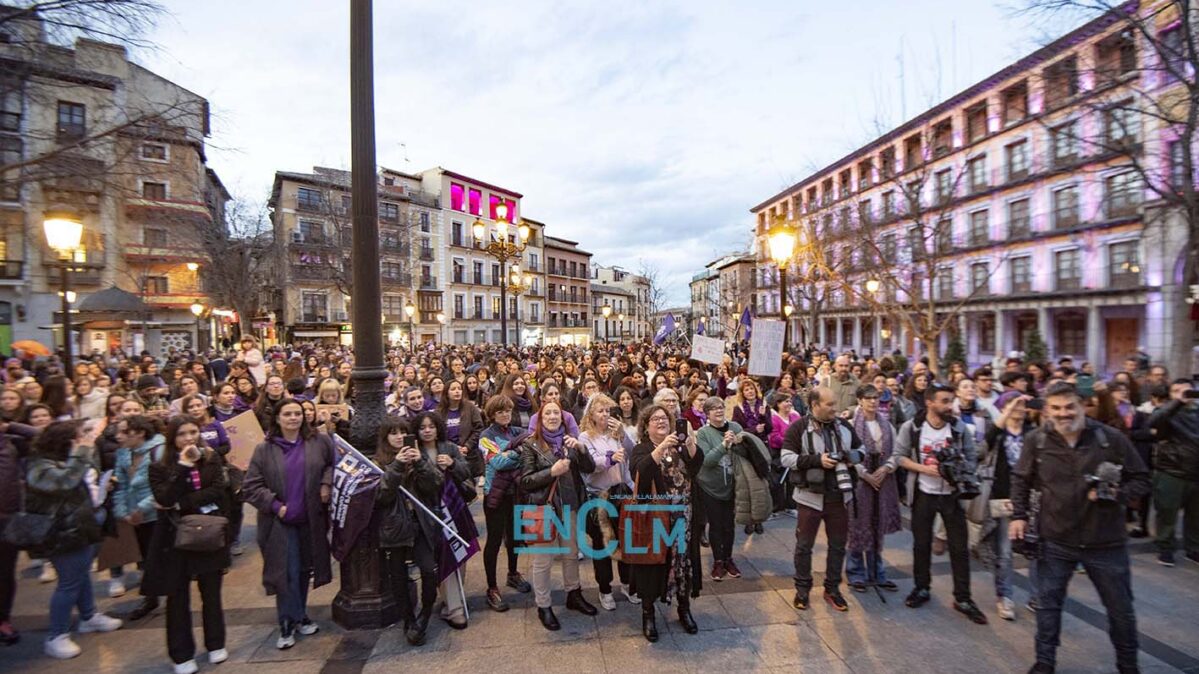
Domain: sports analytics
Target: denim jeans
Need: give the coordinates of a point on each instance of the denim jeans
(1109, 573)
(292, 603)
(74, 589)
(857, 570)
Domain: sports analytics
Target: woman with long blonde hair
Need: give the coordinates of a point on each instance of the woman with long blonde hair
(603, 436)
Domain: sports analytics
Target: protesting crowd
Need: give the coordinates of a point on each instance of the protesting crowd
(1056, 463)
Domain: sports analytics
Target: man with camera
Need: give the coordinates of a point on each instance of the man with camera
(1085, 473)
(818, 452)
(1175, 429)
(937, 450)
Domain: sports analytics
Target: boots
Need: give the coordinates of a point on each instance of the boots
(576, 602)
(416, 633)
(685, 618)
(648, 626)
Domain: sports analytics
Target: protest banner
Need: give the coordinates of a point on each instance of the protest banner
(245, 433)
(766, 347)
(707, 349)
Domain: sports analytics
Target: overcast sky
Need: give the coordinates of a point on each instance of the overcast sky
(643, 130)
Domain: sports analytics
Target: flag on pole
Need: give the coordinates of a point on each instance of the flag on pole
(666, 329)
(700, 329)
(747, 322)
(355, 481)
(455, 516)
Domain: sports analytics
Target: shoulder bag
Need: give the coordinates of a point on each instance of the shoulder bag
(201, 533)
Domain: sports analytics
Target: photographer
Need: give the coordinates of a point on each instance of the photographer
(1175, 428)
(1086, 473)
(937, 450)
(818, 452)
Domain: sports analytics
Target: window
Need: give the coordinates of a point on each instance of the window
(389, 212)
(864, 215)
(1122, 194)
(424, 221)
(1066, 270)
(1018, 219)
(10, 153)
(496, 277)
(1173, 50)
(944, 236)
(976, 122)
(916, 243)
(456, 234)
(391, 271)
(1177, 165)
(152, 237)
(890, 248)
(10, 108)
(1015, 103)
(1115, 56)
(495, 307)
(980, 278)
(944, 185)
(475, 201)
(477, 273)
(311, 232)
(393, 306)
(457, 197)
(574, 268)
(977, 169)
(826, 192)
(314, 307)
(1120, 127)
(986, 333)
(1071, 333)
(887, 160)
(888, 205)
(156, 191)
(912, 152)
(1065, 207)
(1123, 265)
(1061, 81)
(1065, 144)
(154, 151)
(942, 138)
(1020, 272)
(1017, 160)
(865, 171)
(844, 219)
(846, 185)
(157, 285)
(980, 228)
(456, 271)
(72, 120)
(828, 224)
(478, 307)
(308, 199)
(945, 288)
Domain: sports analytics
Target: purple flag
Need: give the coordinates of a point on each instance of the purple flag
(455, 515)
(700, 329)
(666, 329)
(747, 322)
(355, 481)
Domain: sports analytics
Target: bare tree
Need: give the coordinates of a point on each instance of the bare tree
(116, 21)
(242, 246)
(656, 291)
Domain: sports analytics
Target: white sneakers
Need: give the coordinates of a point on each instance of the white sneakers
(286, 641)
(218, 656)
(99, 623)
(189, 667)
(1006, 608)
(633, 599)
(607, 601)
(307, 628)
(116, 587)
(48, 574)
(62, 647)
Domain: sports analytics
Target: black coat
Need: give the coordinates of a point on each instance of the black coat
(423, 480)
(535, 477)
(169, 570)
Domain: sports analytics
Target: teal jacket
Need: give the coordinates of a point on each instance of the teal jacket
(133, 491)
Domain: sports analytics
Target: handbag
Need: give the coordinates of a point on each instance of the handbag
(201, 533)
(26, 530)
(637, 517)
(533, 523)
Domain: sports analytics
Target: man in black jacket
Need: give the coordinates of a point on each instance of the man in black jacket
(1081, 520)
(1175, 428)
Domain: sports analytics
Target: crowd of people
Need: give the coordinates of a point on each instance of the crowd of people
(1049, 461)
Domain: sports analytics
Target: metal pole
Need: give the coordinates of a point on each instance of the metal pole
(503, 300)
(364, 601)
(68, 363)
(783, 303)
(516, 298)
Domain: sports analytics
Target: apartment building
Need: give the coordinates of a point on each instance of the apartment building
(1041, 220)
(567, 282)
(123, 149)
(312, 216)
(619, 325)
(721, 292)
(636, 288)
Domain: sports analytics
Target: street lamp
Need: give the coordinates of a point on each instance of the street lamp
(441, 330)
(63, 233)
(620, 326)
(410, 311)
(198, 311)
(518, 284)
(502, 250)
(782, 246)
(606, 310)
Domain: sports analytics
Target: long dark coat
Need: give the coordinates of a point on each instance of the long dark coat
(265, 483)
(167, 569)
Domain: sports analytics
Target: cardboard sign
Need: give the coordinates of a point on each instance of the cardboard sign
(707, 349)
(120, 550)
(766, 348)
(341, 411)
(244, 435)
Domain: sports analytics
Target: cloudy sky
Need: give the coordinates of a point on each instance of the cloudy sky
(644, 130)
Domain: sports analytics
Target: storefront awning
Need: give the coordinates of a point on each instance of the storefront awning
(314, 333)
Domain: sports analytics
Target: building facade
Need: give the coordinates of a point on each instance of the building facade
(1027, 182)
(568, 284)
(123, 149)
(637, 312)
(620, 323)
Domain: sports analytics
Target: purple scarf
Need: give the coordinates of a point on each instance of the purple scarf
(554, 439)
(752, 416)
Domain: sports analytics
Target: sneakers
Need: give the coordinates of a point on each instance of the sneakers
(8, 634)
(858, 586)
(800, 600)
(62, 647)
(48, 575)
(517, 582)
(218, 656)
(116, 587)
(1041, 668)
(1165, 558)
(834, 599)
(1006, 608)
(918, 597)
(730, 567)
(633, 599)
(307, 627)
(1031, 606)
(99, 623)
(607, 601)
(287, 636)
(189, 667)
(236, 549)
(970, 610)
(718, 571)
(496, 601)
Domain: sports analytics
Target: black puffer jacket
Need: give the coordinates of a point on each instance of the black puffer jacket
(58, 488)
(535, 477)
(1176, 428)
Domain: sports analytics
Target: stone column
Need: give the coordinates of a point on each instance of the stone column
(1000, 340)
(857, 334)
(840, 334)
(1095, 340)
(1046, 331)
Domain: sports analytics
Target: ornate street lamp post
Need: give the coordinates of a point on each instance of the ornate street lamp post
(410, 311)
(503, 250)
(63, 233)
(782, 247)
(606, 310)
(518, 284)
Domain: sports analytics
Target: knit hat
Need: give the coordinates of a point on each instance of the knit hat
(147, 381)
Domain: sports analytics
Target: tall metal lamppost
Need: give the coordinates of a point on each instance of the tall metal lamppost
(197, 310)
(502, 250)
(410, 311)
(620, 327)
(782, 246)
(518, 284)
(63, 233)
(441, 329)
(606, 310)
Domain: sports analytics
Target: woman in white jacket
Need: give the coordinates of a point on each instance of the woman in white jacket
(251, 355)
(604, 437)
(89, 400)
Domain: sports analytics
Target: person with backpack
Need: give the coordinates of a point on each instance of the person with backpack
(1086, 474)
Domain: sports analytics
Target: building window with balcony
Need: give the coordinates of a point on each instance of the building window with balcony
(495, 307)
(456, 272)
(913, 152)
(1123, 264)
(1015, 103)
(1066, 269)
(1017, 160)
(980, 228)
(496, 276)
(1070, 333)
(1115, 56)
(456, 237)
(915, 243)
(1064, 140)
(1018, 218)
(1061, 81)
(1065, 207)
(393, 307)
(154, 191)
(1120, 127)
(977, 170)
(945, 289)
(477, 272)
(389, 212)
(10, 153)
(459, 306)
(888, 204)
(392, 271)
(158, 285)
(1020, 272)
(154, 152)
(478, 301)
(976, 122)
(944, 185)
(980, 278)
(314, 307)
(890, 249)
(153, 237)
(1122, 194)
(72, 120)
(864, 212)
(942, 138)
(865, 177)
(308, 199)
(943, 236)
(311, 232)
(424, 222)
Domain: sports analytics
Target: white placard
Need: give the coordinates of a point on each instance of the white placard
(766, 348)
(707, 349)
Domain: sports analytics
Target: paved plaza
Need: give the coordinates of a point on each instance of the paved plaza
(746, 625)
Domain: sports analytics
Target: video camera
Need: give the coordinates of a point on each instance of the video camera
(953, 468)
(1105, 481)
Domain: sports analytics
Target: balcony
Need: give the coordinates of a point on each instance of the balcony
(312, 317)
(395, 247)
(428, 283)
(12, 270)
(396, 280)
(313, 273)
(426, 254)
(479, 315)
(308, 206)
(174, 300)
(163, 253)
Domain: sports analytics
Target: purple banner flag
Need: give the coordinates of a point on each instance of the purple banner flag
(455, 515)
(355, 481)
